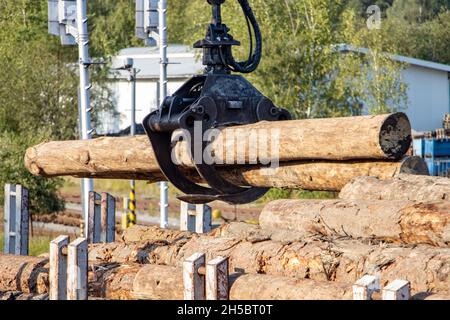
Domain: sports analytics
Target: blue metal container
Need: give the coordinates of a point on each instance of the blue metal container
(434, 148)
(436, 153)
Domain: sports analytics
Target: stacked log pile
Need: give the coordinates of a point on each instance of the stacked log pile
(264, 268)
(267, 262)
(328, 241)
(256, 251)
(386, 222)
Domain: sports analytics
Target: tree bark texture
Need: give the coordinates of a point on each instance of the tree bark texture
(24, 274)
(401, 187)
(258, 252)
(400, 221)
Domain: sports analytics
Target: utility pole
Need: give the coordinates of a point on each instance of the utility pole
(164, 187)
(68, 20)
(128, 65)
(151, 24)
(85, 95)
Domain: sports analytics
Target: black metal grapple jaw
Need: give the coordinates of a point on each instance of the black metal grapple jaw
(215, 99)
(206, 102)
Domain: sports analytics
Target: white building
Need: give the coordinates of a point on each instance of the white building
(428, 90)
(184, 63)
(428, 93)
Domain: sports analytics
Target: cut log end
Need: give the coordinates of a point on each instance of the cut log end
(415, 166)
(395, 136)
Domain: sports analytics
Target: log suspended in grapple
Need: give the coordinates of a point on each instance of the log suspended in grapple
(214, 99)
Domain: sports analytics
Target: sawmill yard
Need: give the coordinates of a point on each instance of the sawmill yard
(388, 228)
(317, 169)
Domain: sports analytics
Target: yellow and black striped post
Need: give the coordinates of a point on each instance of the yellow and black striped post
(132, 205)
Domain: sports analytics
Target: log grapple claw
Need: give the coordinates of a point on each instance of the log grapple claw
(213, 100)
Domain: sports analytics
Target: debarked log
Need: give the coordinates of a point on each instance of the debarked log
(158, 282)
(400, 221)
(401, 187)
(343, 146)
(311, 175)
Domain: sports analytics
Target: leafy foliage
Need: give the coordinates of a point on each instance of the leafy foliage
(301, 68)
(278, 193)
(38, 95)
(112, 26)
(43, 197)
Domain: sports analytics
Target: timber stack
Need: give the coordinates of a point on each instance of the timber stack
(391, 219)
(323, 244)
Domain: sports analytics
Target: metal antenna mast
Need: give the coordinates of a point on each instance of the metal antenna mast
(164, 192)
(128, 65)
(151, 25)
(68, 19)
(85, 95)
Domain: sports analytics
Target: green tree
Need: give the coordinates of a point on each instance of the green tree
(38, 94)
(411, 34)
(112, 26)
(301, 69)
(418, 11)
(43, 192)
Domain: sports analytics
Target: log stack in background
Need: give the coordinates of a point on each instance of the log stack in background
(314, 154)
(402, 214)
(401, 187)
(337, 241)
(400, 221)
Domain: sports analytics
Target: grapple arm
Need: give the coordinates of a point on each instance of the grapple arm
(215, 99)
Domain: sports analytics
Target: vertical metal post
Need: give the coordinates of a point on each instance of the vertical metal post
(397, 290)
(85, 97)
(94, 228)
(133, 75)
(164, 188)
(132, 203)
(217, 278)
(195, 218)
(187, 216)
(58, 268)
(364, 288)
(108, 218)
(8, 225)
(193, 281)
(203, 218)
(16, 220)
(77, 270)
